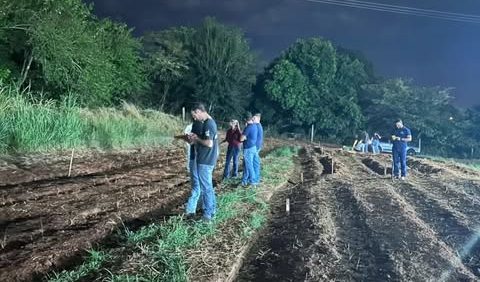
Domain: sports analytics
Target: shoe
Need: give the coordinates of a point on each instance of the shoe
(207, 219)
(396, 177)
(403, 178)
(190, 216)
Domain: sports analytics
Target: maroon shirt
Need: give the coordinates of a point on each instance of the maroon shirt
(233, 137)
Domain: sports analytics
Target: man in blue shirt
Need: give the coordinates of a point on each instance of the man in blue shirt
(258, 144)
(206, 154)
(400, 137)
(249, 139)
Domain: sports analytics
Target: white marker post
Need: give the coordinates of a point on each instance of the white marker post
(287, 205)
(313, 131)
(71, 162)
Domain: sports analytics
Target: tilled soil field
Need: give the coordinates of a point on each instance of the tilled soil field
(351, 222)
(48, 220)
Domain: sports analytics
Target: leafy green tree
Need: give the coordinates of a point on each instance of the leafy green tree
(60, 48)
(314, 84)
(426, 110)
(167, 53)
(221, 68)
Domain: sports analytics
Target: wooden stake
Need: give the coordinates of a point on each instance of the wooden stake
(71, 162)
(333, 164)
(301, 177)
(385, 169)
(183, 114)
(287, 205)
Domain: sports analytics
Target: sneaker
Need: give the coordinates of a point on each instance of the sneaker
(396, 177)
(403, 178)
(207, 219)
(190, 216)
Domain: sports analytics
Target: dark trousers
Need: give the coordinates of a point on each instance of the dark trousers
(399, 161)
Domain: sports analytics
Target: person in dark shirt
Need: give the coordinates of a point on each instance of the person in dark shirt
(249, 139)
(206, 153)
(233, 139)
(400, 137)
(258, 144)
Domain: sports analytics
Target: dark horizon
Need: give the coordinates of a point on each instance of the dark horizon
(430, 51)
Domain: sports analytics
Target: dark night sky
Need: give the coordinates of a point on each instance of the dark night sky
(431, 51)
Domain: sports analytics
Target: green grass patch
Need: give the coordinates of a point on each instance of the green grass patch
(160, 248)
(93, 263)
(29, 125)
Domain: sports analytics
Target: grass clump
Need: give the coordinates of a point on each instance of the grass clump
(29, 124)
(93, 263)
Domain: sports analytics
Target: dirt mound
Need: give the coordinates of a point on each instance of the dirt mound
(423, 167)
(377, 167)
(358, 224)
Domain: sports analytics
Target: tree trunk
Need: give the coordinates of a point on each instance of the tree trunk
(25, 70)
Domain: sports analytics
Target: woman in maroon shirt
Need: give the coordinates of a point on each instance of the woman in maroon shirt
(233, 138)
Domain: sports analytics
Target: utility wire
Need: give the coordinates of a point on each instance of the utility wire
(402, 10)
(414, 9)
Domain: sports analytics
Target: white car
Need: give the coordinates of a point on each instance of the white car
(386, 147)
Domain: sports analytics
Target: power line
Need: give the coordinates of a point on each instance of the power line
(402, 10)
(477, 17)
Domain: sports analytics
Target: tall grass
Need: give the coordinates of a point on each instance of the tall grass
(27, 124)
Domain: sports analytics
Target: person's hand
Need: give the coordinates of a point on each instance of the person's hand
(192, 138)
(394, 138)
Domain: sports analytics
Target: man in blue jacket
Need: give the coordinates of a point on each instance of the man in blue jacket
(249, 139)
(259, 145)
(400, 137)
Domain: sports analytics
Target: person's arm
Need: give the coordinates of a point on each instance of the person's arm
(407, 139)
(207, 143)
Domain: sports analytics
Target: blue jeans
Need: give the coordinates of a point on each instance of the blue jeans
(399, 161)
(249, 176)
(232, 153)
(205, 175)
(191, 206)
(364, 148)
(376, 146)
(256, 165)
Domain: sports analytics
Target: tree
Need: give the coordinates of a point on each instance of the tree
(426, 110)
(167, 53)
(221, 69)
(315, 84)
(60, 48)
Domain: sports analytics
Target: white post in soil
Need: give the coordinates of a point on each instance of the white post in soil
(183, 114)
(312, 133)
(71, 162)
(287, 205)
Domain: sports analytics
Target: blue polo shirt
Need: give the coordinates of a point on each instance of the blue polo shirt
(251, 132)
(259, 142)
(402, 133)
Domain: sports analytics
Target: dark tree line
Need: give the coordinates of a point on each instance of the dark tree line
(54, 49)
